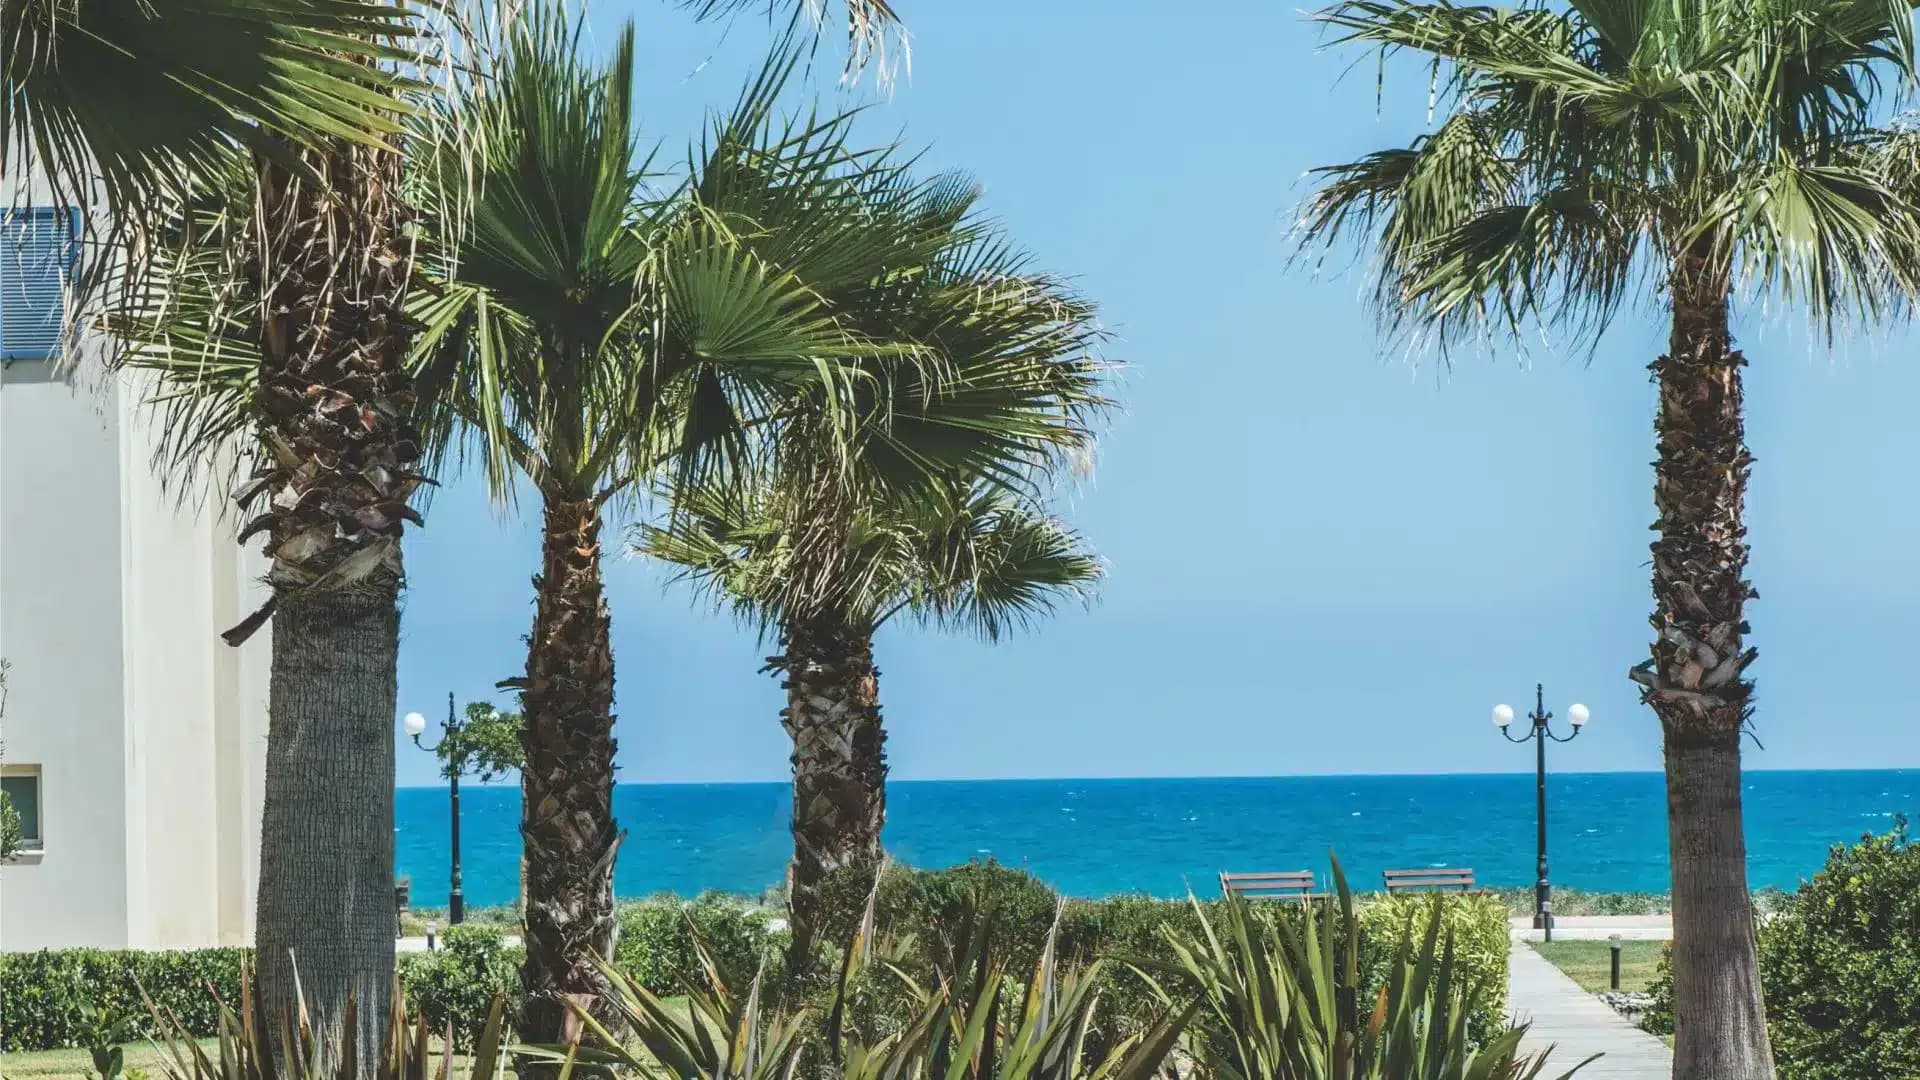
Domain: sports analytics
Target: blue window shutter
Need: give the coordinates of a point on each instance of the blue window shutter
(38, 246)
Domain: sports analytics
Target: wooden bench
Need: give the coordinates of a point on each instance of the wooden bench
(1286, 885)
(1444, 877)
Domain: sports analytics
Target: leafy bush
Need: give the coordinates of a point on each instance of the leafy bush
(1840, 964)
(1658, 1018)
(457, 982)
(1478, 926)
(52, 999)
(656, 940)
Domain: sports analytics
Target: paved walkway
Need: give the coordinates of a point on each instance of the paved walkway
(1599, 928)
(1578, 1025)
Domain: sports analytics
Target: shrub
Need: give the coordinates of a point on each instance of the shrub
(45, 996)
(1277, 1005)
(1840, 964)
(656, 940)
(1480, 932)
(1658, 1018)
(456, 983)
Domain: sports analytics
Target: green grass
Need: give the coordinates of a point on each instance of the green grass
(77, 1063)
(1586, 962)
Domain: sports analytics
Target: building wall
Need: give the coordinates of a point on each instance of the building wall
(60, 627)
(195, 707)
(149, 730)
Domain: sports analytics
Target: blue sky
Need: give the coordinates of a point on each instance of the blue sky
(1326, 555)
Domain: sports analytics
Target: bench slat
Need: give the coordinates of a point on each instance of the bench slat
(1271, 885)
(1429, 877)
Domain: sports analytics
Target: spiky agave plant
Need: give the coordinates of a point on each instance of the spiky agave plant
(970, 1021)
(256, 1043)
(1283, 999)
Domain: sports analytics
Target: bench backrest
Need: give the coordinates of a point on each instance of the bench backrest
(1289, 884)
(1429, 878)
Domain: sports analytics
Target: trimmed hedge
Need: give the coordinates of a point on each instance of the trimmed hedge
(44, 995)
(456, 982)
(656, 940)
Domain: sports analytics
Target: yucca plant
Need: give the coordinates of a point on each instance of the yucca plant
(255, 1044)
(968, 1021)
(1282, 1000)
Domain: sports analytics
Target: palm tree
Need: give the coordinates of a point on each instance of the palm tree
(975, 557)
(192, 312)
(127, 107)
(128, 101)
(1004, 386)
(585, 334)
(1684, 153)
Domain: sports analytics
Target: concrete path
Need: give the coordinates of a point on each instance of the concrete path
(1598, 928)
(1577, 1024)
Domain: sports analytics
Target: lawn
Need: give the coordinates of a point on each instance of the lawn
(143, 1056)
(78, 1062)
(1586, 962)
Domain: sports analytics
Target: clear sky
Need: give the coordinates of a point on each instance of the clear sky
(1326, 555)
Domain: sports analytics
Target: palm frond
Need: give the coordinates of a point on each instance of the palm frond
(876, 37)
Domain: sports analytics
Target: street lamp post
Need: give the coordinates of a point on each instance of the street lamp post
(416, 725)
(1539, 734)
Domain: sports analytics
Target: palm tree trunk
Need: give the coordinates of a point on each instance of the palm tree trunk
(1695, 682)
(839, 766)
(325, 920)
(334, 410)
(567, 783)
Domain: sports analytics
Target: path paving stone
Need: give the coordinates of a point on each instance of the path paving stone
(1578, 1025)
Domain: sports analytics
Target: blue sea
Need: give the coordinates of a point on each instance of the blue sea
(1160, 836)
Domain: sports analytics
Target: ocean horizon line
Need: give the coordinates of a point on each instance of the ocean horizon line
(1556, 774)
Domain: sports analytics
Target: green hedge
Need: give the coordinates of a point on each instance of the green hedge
(456, 983)
(44, 995)
(656, 940)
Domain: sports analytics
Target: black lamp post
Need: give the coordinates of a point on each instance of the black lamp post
(416, 725)
(1539, 734)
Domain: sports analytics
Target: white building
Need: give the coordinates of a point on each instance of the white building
(134, 737)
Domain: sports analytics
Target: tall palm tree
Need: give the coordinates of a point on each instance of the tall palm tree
(1683, 153)
(119, 106)
(122, 108)
(973, 557)
(1004, 387)
(193, 314)
(585, 333)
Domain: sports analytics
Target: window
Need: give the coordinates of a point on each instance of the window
(38, 248)
(22, 789)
